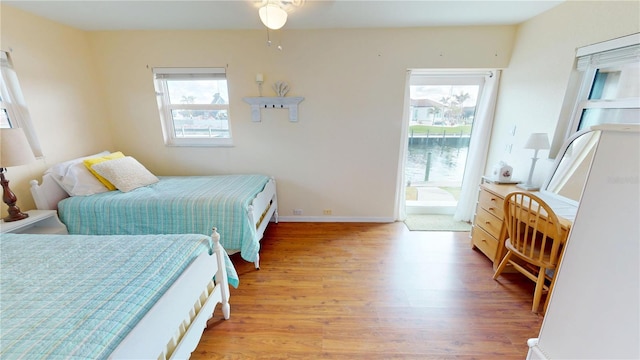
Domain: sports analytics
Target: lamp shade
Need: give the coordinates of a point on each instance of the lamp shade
(537, 141)
(272, 16)
(14, 148)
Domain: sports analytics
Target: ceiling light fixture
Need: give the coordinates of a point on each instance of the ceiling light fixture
(272, 16)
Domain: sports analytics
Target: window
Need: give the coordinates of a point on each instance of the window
(603, 88)
(5, 120)
(194, 106)
(13, 108)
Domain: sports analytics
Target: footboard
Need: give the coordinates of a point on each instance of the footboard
(264, 208)
(173, 327)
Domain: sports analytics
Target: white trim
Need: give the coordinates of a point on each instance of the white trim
(627, 103)
(633, 128)
(200, 142)
(195, 70)
(613, 57)
(607, 45)
(452, 72)
(335, 219)
(450, 77)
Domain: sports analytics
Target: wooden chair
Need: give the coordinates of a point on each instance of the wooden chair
(534, 241)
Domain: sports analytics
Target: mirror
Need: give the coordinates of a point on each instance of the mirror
(571, 167)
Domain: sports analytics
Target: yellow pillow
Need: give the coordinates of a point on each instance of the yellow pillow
(96, 160)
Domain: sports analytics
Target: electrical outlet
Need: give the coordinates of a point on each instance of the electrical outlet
(297, 211)
(326, 212)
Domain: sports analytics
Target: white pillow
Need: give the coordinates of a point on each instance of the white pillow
(79, 181)
(74, 177)
(125, 173)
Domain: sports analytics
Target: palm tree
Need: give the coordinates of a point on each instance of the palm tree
(462, 97)
(188, 100)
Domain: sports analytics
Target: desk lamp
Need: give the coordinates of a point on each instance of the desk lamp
(537, 142)
(14, 151)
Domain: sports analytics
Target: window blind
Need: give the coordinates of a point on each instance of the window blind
(612, 57)
(189, 73)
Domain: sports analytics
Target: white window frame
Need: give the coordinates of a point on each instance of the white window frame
(13, 102)
(588, 60)
(165, 106)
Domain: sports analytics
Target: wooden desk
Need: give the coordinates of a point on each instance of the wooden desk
(489, 231)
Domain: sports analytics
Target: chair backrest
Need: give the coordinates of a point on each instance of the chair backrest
(533, 228)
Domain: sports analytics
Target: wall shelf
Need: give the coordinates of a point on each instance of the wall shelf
(258, 103)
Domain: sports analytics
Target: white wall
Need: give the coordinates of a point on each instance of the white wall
(86, 91)
(342, 154)
(533, 85)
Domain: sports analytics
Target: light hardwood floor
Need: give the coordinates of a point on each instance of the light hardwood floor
(371, 291)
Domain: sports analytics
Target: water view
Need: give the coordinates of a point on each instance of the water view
(446, 163)
(442, 110)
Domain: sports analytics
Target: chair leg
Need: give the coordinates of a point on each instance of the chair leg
(546, 301)
(537, 294)
(502, 265)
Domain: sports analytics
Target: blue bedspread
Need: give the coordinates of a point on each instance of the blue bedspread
(175, 205)
(67, 296)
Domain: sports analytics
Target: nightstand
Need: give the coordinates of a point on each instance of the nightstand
(38, 222)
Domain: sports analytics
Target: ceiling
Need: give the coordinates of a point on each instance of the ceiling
(303, 14)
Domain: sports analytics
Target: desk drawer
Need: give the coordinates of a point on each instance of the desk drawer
(485, 242)
(488, 222)
(492, 203)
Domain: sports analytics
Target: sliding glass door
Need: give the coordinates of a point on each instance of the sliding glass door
(442, 109)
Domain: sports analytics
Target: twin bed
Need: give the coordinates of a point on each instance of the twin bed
(240, 206)
(140, 274)
(109, 297)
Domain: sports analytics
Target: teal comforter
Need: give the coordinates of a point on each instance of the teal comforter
(174, 205)
(78, 296)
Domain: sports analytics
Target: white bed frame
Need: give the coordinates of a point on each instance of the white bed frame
(263, 208)
(173, 327)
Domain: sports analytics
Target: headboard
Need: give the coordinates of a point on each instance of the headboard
(47, 195)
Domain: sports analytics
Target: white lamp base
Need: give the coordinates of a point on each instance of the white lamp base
(528, 187)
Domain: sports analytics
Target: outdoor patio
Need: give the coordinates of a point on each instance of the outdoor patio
(439, 198)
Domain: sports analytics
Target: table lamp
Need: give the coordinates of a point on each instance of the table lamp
(14, 151)
(537, 142)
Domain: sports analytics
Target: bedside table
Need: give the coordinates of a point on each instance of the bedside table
(38, 222)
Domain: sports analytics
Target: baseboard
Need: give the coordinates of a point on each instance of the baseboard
(334, 219)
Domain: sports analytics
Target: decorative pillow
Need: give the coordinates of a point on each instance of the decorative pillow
(125, 173)
(75, 179)
(96, 160)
